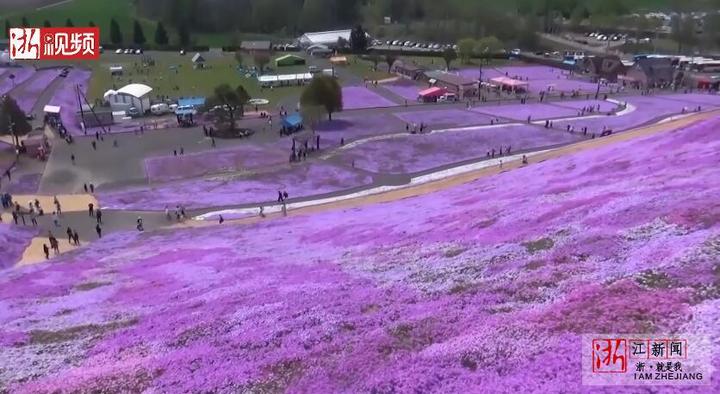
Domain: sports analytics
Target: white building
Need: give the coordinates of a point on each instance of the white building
(134, 95)
(327, 38)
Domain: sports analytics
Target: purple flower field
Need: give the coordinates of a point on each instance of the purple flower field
(356, 97)
(444, 118)
(14, 240)
(353, 127)
(29, 94)
(23, 184)
(539, 77)
(408, 90)
(21, 75)
(66, 98)
(694, 99)
(605, 106)
(244, 157)
(649, 108)
(522, 111)
(301, 180)
(422, 152)
(485, 287)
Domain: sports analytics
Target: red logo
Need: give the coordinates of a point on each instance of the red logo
(55, 43)
(609, 355)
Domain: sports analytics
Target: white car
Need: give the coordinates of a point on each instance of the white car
(515, 52)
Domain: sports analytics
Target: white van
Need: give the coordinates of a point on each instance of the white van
(159, 109)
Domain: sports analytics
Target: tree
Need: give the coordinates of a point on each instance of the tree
(161, 37)
(358, 39)
(115, 34)
(24, 22)
(449, 55)
(7, 28)
(12, 119)
(487, 46)
(47, 23)
(69, 23)
(261, 59)
(228, 102)
(375, 59)
(390, 60)
(528, 38)
(466, 48)
(323, 91)
(184, 34)
(91, 24)
(138, 34)
(683, 32)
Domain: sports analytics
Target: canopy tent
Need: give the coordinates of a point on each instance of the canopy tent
(52, 110)
(274, 80)
(191, 102)
(116, 70)
(289, 60)
(510, 83)
(339, 60)
(292, 121)
(432, 92)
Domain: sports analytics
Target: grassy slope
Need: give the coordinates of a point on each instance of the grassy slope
(81, 12)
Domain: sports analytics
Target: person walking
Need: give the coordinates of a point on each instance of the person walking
(98, 230)
(91, 209)
(72, 158)
(280, 198)
(46, 251)
(98, 215)
(262, 211)
(140, 224)
(85, 187)
(33, 219)
(285, 195)
(94, 145)
(92, 188)
(15, 217)
(56, 219)
(221, 220)
(70, 235)
(76, 238)
(167, 213)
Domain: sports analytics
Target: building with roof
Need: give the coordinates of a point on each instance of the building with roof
(289, 60)
(327, 38)
(133, 95)
(198, 61)
(651, 72)
(407, 69)
(256, 46)
(455, 83)
(606, 67)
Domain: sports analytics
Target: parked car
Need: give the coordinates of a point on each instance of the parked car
(133, 112)
(182, 52)
(138, 51)
(118, 51)
(159, 109)
(447, 97)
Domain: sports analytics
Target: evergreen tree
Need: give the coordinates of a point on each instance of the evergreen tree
(115, 34)
(69, 23)
(7, 28)
(24, 22)
(184, 34)
(47, 23)
(91, 24)
(161, 37)
(138, 35)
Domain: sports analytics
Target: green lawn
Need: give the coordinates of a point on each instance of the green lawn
(364, 69)
(182, 81)
(82, 12)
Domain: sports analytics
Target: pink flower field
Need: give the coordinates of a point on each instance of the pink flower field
(14, 240)
(358, 97)
(485, 287)
(445, 118)
(302, 180)
(522, 111)
(29, 94)
(21, 75)
(244, 157)
(421, 152)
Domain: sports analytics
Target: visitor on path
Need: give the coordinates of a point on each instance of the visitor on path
(76, 238)
(85, 187)
(342, 141)
(69, 233)
(280, 196)
(500, 163)
(15, 217)
(212, 141)
(182, 212)
(92, 188)
(285, 195)
(115, 144)
(167, 213)
(140, 224)
(98, 215)
(182, 150)
(262, 211)
(54, 245)
(98, 230)
(94, 145)
(174, 152)
(46, 251)
(72, 158)
(221, 220)
(33, 219)
(524, 159)
(91, 209)
(56, 219)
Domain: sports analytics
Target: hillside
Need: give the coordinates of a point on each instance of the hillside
(483, 287)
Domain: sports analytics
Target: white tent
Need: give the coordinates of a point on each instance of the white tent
(51, 109)
(275, 80)
(134, 95)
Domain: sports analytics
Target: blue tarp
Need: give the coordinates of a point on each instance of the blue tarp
(292, 121)
(191, 102)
